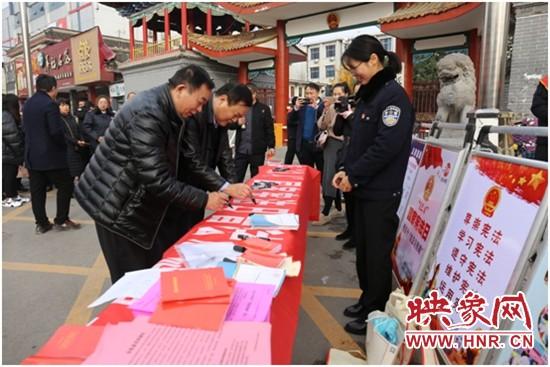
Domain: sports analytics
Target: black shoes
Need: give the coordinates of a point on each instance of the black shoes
(68, 224)
(355, 310)
(346, 235)
(348, 245)
(43, 228)
(358, 327)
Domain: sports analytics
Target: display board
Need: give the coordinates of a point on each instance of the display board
(417, 150)
(425, 204)
(485, 241)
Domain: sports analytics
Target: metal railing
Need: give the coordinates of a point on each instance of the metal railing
(156, 49)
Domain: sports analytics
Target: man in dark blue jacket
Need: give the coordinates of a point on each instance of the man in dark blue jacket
(46, 155)
(305, 115)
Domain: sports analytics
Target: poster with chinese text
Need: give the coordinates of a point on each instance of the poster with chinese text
(417, 149)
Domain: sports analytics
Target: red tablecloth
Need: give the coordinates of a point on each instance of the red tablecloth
(297, 191)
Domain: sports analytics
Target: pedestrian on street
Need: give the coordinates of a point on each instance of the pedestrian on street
(46, 155)
(255, 139)
(291, 126)
(374, 170)
(78, 150)
(13, 151)
(539, 108)
(97, 121)
(137, 173)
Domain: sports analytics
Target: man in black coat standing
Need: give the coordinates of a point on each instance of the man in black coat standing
(46, 155)
(254, 138)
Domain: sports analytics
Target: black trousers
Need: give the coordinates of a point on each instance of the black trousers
(9, 179)
(290, 151)
(375, 227)
(123, 255)
(311, 156)
(243, 160)
(39, 180)
(541, 152)
(350, 202)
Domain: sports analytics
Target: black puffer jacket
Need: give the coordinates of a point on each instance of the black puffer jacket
(13, 141)
(136, 173)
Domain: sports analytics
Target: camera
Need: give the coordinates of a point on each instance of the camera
(305, 101)
(341, 105)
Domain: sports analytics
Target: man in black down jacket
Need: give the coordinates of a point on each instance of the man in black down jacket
(133, 186)
(206, 134)
(46, 155)
(254, 138)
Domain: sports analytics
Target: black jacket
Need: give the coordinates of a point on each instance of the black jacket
(210, 143)
(95, 124)
(382, 131)
(343, 127)
(136, 174)
(539, 107)
(77, 156)
(297, 118)
(263, 135)
(13, 141)
(45, 147)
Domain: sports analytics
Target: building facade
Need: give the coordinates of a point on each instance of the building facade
(78, 16)
(529, 55)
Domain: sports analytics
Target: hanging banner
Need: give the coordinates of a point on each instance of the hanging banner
(537, 298)
(417, 149)
(486, 235)
(425, 203)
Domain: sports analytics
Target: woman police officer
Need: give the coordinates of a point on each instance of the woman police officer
(374, 169)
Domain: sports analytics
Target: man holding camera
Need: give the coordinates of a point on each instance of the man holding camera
(305, 114)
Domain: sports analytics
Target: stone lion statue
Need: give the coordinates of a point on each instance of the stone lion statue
(457, 95)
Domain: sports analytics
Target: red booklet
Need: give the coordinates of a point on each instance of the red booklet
(181, 285)
(262, 245)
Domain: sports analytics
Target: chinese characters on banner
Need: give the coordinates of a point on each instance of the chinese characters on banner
(417, 149)
(486, 232)
(421, 214)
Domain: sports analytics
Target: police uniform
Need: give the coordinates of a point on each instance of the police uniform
(375, 164)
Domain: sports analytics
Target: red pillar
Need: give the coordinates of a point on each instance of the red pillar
(144, 30)
(166, 30)
(132, 41)
(474, 51)
(242, 76)
(247, 26)
(184, 25)
(404, 51)
(281, 74)
(209, 22)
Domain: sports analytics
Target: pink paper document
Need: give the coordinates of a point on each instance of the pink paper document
(251, 302)
(149, 301)
(140, 342)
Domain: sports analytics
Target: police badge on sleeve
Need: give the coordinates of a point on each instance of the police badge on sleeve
(390, 116)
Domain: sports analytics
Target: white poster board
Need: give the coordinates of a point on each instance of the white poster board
(486, 234)
(537, 299)
(417, 149)
(420, 218)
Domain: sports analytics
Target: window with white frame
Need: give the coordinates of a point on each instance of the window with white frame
(387, 43)
(314, 53)
(330, 50)
(314, 72)
(329, 71)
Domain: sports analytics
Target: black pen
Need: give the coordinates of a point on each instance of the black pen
(229, 204)
(253, 200)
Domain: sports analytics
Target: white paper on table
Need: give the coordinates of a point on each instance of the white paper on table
(282, 221)
(260, 275)
(133, 284)
(141, 342)
(207, 254)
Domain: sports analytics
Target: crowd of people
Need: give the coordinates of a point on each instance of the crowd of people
(146, 174)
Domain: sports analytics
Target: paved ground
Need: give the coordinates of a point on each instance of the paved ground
(48, 280)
